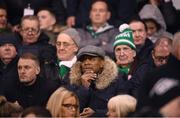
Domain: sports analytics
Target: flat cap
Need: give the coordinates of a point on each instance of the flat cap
(91, 51)
(8, 38)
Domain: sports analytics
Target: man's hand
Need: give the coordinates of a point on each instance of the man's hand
(87, 78)
(70, 21)
(87, 112)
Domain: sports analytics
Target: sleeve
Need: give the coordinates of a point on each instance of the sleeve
(59, 10)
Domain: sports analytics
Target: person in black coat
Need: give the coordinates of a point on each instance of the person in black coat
(31, 39)
(95, 79)
(167, 71)
(8, 58)
(15, 8)
(29, 89)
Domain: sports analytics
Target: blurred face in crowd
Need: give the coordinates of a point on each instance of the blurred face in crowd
(99, 13)
(30, 31)
(172, 108)
(28, 70)
(124, 55)
(151, 28)
(3, 18)
(46, 19)
(69, 107)
(91, 64)
(161, 52)
(66, 47)
(7, 52)
(139, 32)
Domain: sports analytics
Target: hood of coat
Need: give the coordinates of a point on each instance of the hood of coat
(108, 75)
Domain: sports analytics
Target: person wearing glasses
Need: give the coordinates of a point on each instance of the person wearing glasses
(31, 39)
(67, 45)
(63, 103)
(161, 51)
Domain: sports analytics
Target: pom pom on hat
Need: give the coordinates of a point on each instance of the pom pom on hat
(123, 27)
(125, 37)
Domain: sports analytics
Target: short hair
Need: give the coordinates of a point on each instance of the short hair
(158, 26)
(54, 104)
(159, 40)
(37, 111)
(3, 7)
(47, 9)
(104, 1)
(29, 17)
(138, 20)
(7, 109)
(28, 55)
(123, 104)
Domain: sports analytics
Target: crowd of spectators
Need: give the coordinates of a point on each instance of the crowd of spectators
(89, 58)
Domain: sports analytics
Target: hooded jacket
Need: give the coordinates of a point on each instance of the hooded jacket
(108, 84)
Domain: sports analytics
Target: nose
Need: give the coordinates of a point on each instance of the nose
(136, 33)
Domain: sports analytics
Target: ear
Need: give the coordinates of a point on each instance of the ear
(152, 53)
(37, 70)
(134, 53)
(108, 15)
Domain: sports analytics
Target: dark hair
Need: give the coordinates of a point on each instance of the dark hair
(158, 26)
(135, 19)
(31, 56)
(37, 111)
(107, 4)
(47, 9)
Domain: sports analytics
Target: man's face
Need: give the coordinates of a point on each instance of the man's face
(7, 52)
(46, 19)
(91, 63)
(161, 52)
(28, 70)
(30, 31)
(3, 18)
(99, 13)
(124, 55)
(139, 32)
(66, 48)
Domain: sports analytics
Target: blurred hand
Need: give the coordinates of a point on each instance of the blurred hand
(87, 77)
(70, 21)
(87, 112)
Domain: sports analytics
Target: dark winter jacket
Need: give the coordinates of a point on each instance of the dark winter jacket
(108, 84)
(34, 95)
(170, 70)
(15, 8)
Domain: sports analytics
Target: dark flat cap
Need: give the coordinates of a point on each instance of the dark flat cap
(91, 51)
(8, 38)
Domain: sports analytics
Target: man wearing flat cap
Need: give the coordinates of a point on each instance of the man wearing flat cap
(8, 57)
(96, 79)
(67, 46)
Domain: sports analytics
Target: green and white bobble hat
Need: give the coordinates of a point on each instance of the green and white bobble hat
(125, 37)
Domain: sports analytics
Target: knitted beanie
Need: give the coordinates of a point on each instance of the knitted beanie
(125, 37)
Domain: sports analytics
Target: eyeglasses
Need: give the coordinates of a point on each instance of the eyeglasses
(65, 44)
(161, 58)
(32, 30)
(71, 106)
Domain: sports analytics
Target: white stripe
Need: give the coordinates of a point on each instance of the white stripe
(124, 40)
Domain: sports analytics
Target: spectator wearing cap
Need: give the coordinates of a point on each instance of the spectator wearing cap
(8, 58)
(125, 55)
(95, 79)
(67, 46)
(167, 71)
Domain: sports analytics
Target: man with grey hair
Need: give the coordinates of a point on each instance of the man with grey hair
(67, 46)
(169, 70)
